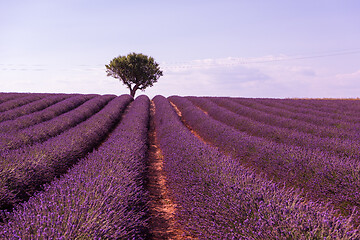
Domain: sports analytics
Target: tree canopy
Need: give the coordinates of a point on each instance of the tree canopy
(136, 71)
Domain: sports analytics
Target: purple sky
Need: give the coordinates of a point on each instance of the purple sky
(215, 48)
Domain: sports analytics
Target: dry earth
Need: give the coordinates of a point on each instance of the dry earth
(162, 208)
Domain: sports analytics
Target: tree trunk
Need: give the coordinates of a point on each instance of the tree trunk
(132, 92)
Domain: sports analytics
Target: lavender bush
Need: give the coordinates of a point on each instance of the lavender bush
(314, 116)
(23, 100)
(337, 146)
(46, 114)
(72, 166)
(45, 130)
(22, 171)
(283, 122)
(217, 198)
(101, 197)
(32, 107)
(323, 176)
(10, 96)
(338, 106)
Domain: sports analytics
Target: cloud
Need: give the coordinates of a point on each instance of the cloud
(223, 76)
(348, 81)
(354, 76)
(268, 76)
(253, 77)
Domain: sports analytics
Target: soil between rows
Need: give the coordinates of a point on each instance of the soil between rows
(162, 208)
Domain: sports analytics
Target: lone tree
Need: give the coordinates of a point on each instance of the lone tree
(136, 71)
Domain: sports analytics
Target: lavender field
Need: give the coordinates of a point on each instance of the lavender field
(76, 166)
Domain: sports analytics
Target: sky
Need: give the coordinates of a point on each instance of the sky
(237, 48)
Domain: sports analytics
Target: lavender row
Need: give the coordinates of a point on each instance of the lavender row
(336, 146)
(22, 171)
(329, 119)
(283, 122)
(294, 105)
(10, 96)
(46, 114)
(337, 106)
(323, 176)
(101, 197)
(217, 198)
(347, 105)
(18, 102)
(32, 107)
(343, 126)
(45, 130)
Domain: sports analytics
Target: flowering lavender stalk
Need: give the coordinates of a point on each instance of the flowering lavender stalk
(18, 102)
(46, 114)
(217, 198)
(45, 130)
(336, 146)
(322, 176)
(101, 197)
(32, 107)
(24, 170)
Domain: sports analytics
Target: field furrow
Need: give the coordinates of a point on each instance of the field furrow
(162, 223)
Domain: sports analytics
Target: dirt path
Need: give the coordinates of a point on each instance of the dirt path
(162, 208)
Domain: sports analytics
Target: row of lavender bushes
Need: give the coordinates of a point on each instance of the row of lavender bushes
(295, 109)
(12, 95)
(217, 198)
(47, 129)
(346, 122)
(324, 177)
(24, 170)
(281, 106)
(101, 197)
(326, 105)
(46, 114)
(20, 101)
(337, 146)
(304, 112)
(341, 138)
(32, 107)
(315, 128)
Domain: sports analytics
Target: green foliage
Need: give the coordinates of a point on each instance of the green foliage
(136, 71)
